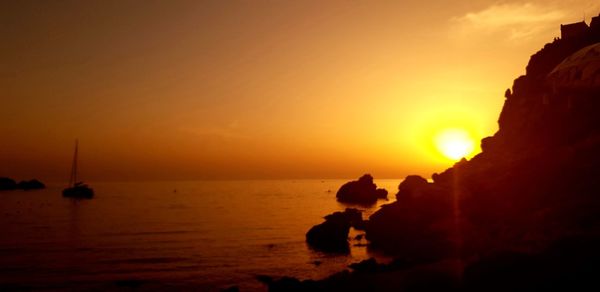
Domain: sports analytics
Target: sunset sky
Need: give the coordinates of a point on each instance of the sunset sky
(257, 89)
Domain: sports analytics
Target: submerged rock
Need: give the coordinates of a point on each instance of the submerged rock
(332, 235)
(361, 191)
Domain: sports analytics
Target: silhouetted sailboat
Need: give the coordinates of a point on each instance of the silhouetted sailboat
(77, 189)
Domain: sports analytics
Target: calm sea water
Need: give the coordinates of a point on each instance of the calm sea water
(202, 235)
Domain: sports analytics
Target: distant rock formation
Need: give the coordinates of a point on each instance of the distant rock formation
(7, 183)
(332, 235)
(361, 191)
(33, 184)
(10, 184)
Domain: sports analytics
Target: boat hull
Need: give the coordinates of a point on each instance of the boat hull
(78, 192)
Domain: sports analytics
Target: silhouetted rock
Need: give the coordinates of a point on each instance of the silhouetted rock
(361, 191)
(10, 184)
(487, 144)
(332, 235)
(287, 284)
(569, 264)
(129, 283)
(360, 225)
(381, 194)
(264, 279)
(366, 266)
(523, 215)
(33, 184)
(372, 266)
(369, 275)
(412, 185)
(419, 209)
(7, 184)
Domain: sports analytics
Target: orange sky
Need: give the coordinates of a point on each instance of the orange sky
(256, 89)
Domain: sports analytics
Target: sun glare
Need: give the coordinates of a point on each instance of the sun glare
(454, 143)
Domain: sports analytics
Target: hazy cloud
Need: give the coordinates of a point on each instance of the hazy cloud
(516, 21)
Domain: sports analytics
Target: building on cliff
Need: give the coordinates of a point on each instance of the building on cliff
(573, 30)
(580, 30)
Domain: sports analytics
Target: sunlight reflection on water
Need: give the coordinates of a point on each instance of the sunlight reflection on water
(202, 234)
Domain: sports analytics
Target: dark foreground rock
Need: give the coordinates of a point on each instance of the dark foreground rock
(361, 191)
(369, 275)
(332, 235)
(231, 289)
(570, 264)
(10, 184)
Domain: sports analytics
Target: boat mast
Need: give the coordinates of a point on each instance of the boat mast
(73, 178)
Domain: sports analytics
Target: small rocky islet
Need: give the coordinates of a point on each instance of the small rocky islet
(9, 184)
(523, 215)
(361, 192)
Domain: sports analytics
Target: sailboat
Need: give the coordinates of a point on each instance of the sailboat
(77, 189)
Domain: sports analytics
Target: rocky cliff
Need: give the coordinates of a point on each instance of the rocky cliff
(523, 215)
(535, 184)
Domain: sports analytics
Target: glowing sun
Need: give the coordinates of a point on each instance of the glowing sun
(454, 143)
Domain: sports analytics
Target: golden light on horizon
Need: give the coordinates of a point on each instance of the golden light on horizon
(454, 143)
(265, 90)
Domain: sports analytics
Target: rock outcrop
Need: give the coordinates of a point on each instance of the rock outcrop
(332, 235)
(412, 186)
(361, 191)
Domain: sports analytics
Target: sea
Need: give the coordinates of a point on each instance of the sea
(171, 235)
